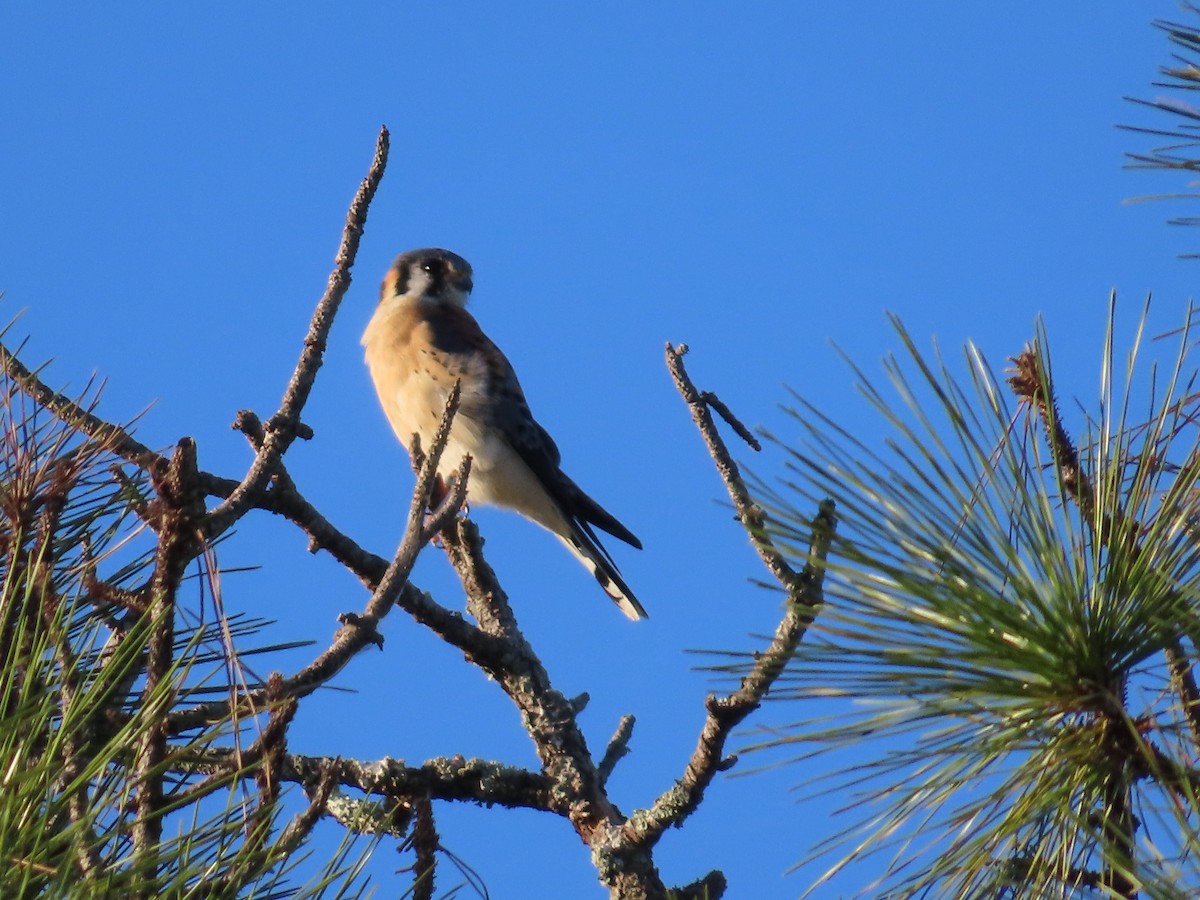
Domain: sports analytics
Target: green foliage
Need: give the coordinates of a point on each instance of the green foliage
(1181, 76)
(1011, 624)
(78, 711)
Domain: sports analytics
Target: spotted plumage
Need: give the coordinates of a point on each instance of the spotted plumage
(419, 342)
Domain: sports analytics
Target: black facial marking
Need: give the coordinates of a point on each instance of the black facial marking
(402, 280)
(442, 270)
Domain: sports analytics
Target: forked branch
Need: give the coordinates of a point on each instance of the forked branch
(804, 596)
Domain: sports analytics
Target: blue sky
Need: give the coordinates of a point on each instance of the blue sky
(757, 180)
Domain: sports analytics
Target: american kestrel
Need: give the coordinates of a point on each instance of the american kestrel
(419, 342)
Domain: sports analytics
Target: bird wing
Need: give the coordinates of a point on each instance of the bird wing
(496, 401)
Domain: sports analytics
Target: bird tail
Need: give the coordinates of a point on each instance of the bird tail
(592, 513)
(582, 543)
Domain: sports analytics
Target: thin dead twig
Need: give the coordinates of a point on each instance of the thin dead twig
(424, 840)
(804, 596)
(748, 512)
(284, 427)
(359, 630)
(113, 437)
(180, 508)
(618, 746)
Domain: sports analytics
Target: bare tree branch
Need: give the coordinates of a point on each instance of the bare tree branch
(359, 630)
(726, 713)
(179, 509)
(570, 782)
(618, 746)
(451, 778)
(114, 437)
(424, 840)
(748, 512)
(804, 596)
(1184, 677)
(577, 790)
(283, 427)
(300, 827)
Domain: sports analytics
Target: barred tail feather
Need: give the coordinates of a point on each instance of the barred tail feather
(585, 548)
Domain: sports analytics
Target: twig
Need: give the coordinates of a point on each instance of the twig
(748, 512)
(301, 826)
(359, 630)
(180, 508)
(424, 841)
(418, 532)
(726, 713)
(283, 427)
(112, 437)
(1184, 676)
(718, 405)
(249, 424)
(618, 746)
(804, 596)
(267, 748)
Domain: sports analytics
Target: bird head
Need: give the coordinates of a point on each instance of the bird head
(429, 274)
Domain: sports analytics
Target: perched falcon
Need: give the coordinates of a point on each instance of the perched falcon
(420, 340)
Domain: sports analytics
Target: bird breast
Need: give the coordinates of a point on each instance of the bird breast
(413, 379)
